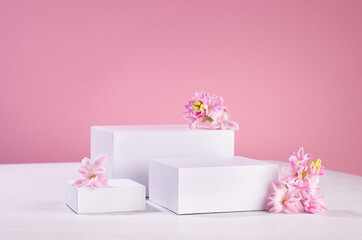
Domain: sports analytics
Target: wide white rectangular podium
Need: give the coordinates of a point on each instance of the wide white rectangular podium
(214, 184)
(129, 148)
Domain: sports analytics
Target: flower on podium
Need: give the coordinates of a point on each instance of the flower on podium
(92, 173)
(206, 109)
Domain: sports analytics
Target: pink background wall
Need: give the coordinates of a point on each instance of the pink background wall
(289, 71)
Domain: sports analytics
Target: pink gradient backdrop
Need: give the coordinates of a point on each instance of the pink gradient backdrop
(290, 72)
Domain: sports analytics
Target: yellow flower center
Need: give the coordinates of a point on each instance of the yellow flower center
(315, 166)
(92, 174)
(198, 106)
(304, 174)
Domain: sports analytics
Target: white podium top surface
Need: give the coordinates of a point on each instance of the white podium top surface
(211, 162)
(114, 183)
(32, 206)
(145, 128)
(171, 127)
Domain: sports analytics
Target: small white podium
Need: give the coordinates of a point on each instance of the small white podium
(119, 196)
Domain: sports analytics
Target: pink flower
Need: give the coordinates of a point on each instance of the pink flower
(313, 203)
(298, 193)
(201, 107)
(300, 157)
(302, 175)
(316, 168)
(92, 173)
(205, 108)
(192, 121)
(295, 171)
(222, 121)
(284, 199)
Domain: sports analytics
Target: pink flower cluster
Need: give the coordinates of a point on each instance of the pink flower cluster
(297, 191)
(204, 108)
(92, 173)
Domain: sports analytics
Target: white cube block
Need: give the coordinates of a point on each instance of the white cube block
(207, 185)
(120, 195)
(130, 147)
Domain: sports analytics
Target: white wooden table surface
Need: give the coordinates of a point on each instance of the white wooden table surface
(32, 206)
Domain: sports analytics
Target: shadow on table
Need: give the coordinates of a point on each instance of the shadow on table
(61, 207)
(248, 214)
(245, 214)
(343, 213)
(150, 208)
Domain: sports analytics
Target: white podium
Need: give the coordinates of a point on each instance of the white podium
(207, 185)
(129, 148)
(121, 195)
